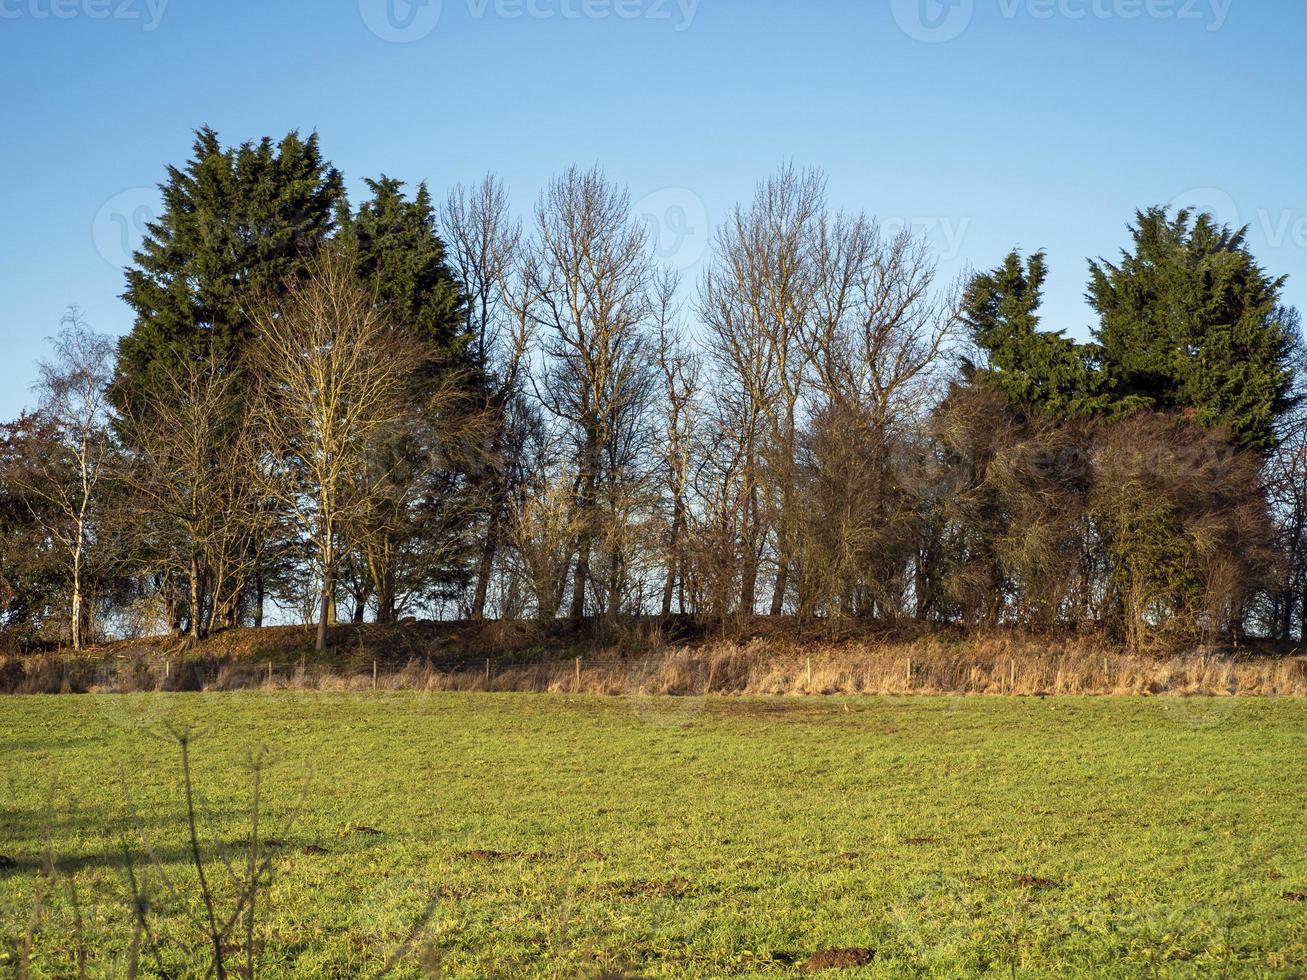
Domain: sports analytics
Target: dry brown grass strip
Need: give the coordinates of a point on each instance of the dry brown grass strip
(764, 665)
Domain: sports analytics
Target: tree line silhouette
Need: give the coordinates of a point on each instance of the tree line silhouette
(452, 411)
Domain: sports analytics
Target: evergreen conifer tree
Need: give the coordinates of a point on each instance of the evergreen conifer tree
(1189, 320)
(236, 222)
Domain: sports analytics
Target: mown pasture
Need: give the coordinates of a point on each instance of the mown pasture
(509, 835)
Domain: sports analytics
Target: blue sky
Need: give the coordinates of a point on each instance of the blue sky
(987, 123)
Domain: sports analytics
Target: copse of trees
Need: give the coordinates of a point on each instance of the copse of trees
(380, 411)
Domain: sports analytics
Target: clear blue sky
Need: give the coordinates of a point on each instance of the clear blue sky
(992, 123)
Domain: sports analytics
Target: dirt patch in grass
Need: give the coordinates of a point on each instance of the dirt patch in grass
(671, 888)
(314, 849)
(365, 830)
(1033, 881)
(837, 959)
(1295, 897)
(6, 862)
(486, 856)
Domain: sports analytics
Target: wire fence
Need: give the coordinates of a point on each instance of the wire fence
(203, 674)
(678, 670)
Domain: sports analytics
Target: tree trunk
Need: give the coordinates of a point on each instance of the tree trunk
(673, 558)
(921, 588)
(585, 508)
(778, 593)
(485, 566)
(325, 612)
(75, 627)
(748, 584)
(580, 578)
(749, 573)
(386, 596)
(195, 598)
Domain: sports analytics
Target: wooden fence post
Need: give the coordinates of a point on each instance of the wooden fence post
(578, 675)
(374, 675)
(809, 675)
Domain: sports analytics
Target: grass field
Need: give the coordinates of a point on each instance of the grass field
(566, 837)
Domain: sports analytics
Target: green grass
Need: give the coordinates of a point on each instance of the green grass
(682, 837)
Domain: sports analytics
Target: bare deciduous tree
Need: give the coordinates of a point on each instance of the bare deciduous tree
(485, 244)
(755, 300)
(337, 376)
(679, 371)
(74, 406)
(590, 271)
(197, 476)
(875, 343)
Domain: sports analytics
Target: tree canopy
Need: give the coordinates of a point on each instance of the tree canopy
(236, 222)
(1188, 321)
